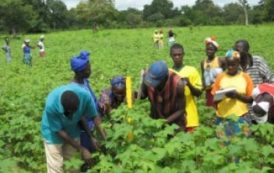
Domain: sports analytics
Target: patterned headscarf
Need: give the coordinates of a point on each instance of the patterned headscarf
(232, 54)
(212, 40)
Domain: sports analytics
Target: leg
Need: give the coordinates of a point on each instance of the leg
(54, 157)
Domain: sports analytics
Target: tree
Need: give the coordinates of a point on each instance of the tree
(233, 13)
(21, 19)
(99, 12)
(57, 14)
(158, 10)
(244, 5)
(204, 12)
(267, 9)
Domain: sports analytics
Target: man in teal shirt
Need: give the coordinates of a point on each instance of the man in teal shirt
(65, 107)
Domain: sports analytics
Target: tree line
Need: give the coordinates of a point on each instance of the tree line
(45, 15)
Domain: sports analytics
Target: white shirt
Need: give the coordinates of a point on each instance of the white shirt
(41, 46)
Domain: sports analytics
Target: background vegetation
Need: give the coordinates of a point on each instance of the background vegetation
(141, 145)
(46, 15)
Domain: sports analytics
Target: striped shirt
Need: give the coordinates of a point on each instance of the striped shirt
(259, 72)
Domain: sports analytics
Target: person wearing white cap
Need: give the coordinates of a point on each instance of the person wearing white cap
(263, 103)
(41, 46)
(27, 59)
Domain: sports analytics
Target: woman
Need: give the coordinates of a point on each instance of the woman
(81, 67)
(112, 98)
(211, 66)
(27, 52)
(233, 102)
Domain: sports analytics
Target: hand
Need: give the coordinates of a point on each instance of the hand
(232, 94)
(86, 155)
(96, 144)
(186, 81)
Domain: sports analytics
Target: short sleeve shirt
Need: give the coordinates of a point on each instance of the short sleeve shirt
(243, 84)
(54, 120)
(192, 73)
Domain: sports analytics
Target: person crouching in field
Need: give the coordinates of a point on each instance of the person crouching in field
(165, 91)
(234, 102)
(41, 46)
(80, 64)
(65, 107)
(211, 66)
(27, 59)
(113, 97)
(7, 50)
(193, 82)
(263, 104)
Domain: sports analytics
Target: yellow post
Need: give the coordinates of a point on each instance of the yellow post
(129, 92)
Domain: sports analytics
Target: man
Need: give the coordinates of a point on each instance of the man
(41, 46)
(65, 108)
(165, 91)
(255, 66)
(193, 83)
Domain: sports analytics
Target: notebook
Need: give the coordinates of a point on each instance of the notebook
(220, 94)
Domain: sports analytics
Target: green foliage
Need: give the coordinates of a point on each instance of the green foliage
(143, 145)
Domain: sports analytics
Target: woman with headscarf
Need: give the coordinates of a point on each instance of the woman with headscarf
(114, 96)
(27, 59)
(211, 66)
(234, 101)
(81, 66)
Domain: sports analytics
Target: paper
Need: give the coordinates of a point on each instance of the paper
(220, 94)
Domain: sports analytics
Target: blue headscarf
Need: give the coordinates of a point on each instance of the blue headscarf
(79, 62)
(118, 81)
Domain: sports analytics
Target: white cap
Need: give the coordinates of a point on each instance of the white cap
(42, 36)
(27, 40)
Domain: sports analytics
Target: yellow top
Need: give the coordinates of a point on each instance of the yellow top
(156, 37)
(194, 77)
(243, 85)
(212, 64)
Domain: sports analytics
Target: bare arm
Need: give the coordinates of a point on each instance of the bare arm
(97, 122)
(194, 91)
(202, 71)
(241, 97)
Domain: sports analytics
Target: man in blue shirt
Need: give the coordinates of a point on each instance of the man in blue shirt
(65, 108)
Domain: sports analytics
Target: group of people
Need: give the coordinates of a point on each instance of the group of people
(158, 38)
(26, 47)
(73, 110)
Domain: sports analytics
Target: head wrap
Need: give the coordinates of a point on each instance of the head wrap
(212, 40)
(118, 81)
(79, 62)
(232, 54)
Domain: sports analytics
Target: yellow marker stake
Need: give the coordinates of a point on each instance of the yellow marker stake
(129, 92)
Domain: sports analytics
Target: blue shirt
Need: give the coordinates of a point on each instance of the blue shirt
(26, 49)
(54, 120)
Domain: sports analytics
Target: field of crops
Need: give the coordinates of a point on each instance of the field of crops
(141, 145)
